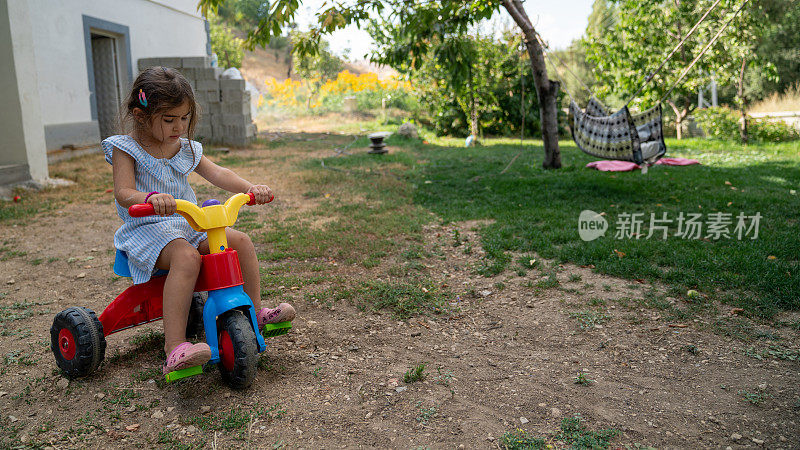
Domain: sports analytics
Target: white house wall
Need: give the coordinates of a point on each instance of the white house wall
(155, 29)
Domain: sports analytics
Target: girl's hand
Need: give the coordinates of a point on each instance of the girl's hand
(262, 192)
(163, 204)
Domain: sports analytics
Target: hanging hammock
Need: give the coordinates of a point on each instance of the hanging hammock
(621, 135)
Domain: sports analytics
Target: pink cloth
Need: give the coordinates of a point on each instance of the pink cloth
(613, 166)
(677, 161)
(626, 166)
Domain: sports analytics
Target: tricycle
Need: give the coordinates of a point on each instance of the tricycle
(226, 316)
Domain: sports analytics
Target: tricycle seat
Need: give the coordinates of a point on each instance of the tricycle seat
(121, 268)
(121, 264)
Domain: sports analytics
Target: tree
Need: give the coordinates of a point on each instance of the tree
(225, 44)
(316, 68)
(427, 19)
(243, 14)
(601, 18)
(471, 84)
(645, 31)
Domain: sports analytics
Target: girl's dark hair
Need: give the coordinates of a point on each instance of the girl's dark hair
(164, 89)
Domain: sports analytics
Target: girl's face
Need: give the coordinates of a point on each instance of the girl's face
(167, 128)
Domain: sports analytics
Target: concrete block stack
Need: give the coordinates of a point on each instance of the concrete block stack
(224, 104)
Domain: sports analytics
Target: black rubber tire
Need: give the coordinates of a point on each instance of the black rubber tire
(87, 334)
(245, 350)
(194, 324)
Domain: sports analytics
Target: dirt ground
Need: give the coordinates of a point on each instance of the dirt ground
(506, 358)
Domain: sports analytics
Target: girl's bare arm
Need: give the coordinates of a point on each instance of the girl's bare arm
(221, 177)
(125, 186)
(125, 191)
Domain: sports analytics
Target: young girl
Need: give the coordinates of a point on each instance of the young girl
(151, 165)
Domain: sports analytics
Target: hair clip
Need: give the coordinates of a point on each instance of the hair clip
(142, 98)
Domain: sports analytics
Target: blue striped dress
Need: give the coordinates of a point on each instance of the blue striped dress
(143, 238)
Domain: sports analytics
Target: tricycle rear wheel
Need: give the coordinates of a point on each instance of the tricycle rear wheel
(238, 350)
(194, 324)
(77, 341)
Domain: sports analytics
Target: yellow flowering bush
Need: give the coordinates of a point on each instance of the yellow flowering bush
(369, 92)
(285, 93)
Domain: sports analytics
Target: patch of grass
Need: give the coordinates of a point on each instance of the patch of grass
(415, 374)
(735, 327)
(31, 205)
(149, 340)
(415, 252)
(760, 273)
(520, 439)
(596, 301)
(20, 310)
(755, 398)
(550, 282)
(248, 221)
(169, 441)
(233, 159)
(18, 357)
(237, 419)
(575, 433)
(588, 319)
(575, 278)
(121, 397)
(403, 299)
(774, 351)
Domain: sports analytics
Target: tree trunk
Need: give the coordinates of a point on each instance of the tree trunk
(680, 114)
(546, 89)
(473, 108)
(742, 104)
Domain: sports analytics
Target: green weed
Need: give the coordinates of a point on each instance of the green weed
(520, 439)
(582, 379)
(415, 374)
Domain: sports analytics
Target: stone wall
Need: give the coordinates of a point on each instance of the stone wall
(224, 104)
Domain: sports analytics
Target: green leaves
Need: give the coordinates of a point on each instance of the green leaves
(638, 35)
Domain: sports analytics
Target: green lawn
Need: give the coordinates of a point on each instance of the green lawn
(536, 210)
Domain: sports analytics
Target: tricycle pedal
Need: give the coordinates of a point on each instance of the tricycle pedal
(276, 329)
(183, 373)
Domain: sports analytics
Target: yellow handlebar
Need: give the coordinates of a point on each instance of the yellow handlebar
(212, 219)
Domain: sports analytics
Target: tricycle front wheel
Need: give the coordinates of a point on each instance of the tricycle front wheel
(77, 341)
(238, 350)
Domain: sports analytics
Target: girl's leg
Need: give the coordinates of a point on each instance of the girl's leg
(248, 261)
(183, 262)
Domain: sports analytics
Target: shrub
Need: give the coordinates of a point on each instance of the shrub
(723, 123)
(719, 123)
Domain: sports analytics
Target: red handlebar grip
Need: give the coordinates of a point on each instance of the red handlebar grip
(253, 198)
(141, 210)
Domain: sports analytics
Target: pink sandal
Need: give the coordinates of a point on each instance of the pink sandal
(281, 313)
(187, 355)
